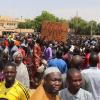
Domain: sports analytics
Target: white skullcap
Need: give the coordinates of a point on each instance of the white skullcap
(51, 70)
(41, 69)
(16, 54)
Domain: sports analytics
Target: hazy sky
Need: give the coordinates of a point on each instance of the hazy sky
(87, 9)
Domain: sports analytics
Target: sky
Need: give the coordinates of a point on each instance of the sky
(67, 9)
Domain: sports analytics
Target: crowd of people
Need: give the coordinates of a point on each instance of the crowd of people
(34, 69)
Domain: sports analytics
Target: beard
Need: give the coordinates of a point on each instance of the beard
(50, 90)
(18, 62)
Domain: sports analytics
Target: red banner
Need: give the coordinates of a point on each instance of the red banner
(54, 31)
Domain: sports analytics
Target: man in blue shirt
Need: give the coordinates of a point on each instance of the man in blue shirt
(58, 62)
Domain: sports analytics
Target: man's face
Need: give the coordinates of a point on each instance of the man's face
(18, 59)
(10, 73)
(53, 83)
(75, 82)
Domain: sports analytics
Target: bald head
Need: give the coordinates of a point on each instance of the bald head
(93, 60)
(76, 62)
(74, 80)
(72, 71)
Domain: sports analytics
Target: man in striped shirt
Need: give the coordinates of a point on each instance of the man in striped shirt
(12, 89)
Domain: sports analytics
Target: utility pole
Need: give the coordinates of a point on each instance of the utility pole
(77, 21)
(91, 29)
(21, 21)
(77, 13)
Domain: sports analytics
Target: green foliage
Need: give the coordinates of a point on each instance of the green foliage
(92, 27)
(83, 27)
(77, 24)
(98, 29)
(28, 24)
(45, 16)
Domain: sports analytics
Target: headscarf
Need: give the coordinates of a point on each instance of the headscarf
(16, 54)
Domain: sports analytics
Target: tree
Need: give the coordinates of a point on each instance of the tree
(45, 16)
(98, 29)
(28, 24)
(21, 25)
(91, 27)
(62, 21)
(78, 25)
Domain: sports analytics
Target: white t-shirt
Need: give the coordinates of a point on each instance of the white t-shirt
(80, 95)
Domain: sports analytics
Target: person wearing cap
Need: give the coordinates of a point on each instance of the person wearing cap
(22, 71)
(48, 90)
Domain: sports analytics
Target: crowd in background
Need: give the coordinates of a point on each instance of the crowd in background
(77, 59)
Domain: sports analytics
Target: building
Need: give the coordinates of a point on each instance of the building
(9, 24)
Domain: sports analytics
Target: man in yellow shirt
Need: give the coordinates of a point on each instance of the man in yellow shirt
(12, 89)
